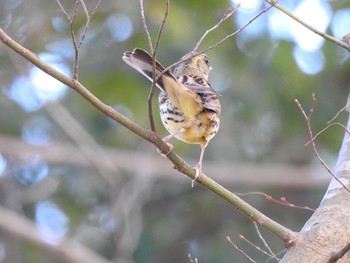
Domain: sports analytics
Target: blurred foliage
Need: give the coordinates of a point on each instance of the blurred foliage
(258, 78)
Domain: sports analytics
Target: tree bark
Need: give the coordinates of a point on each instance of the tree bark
(326, 235)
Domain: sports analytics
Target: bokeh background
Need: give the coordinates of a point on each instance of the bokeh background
(77, 174)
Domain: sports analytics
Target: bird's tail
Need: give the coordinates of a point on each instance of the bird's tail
(140, 60)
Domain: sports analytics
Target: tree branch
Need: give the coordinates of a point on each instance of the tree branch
(265, 243)
(229, 12)
(228, 239)
(223, 39)
(145, 27)
(154, 54)
(324, 35)
(308, 122)
(77, 44)
(284, 233)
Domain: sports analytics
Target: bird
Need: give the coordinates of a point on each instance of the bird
(189, 107)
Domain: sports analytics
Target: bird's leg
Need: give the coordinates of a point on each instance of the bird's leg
(166, 139)
(198, 166)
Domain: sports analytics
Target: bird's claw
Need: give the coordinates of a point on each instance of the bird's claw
(198, 168)
(165, 155)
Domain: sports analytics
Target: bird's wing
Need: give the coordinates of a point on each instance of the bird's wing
(202, 87)
(187, 100)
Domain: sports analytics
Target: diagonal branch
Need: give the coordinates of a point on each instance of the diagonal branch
(145, 27)
(223, 39)
(229, 12)
(338, 42)
(308, 122)
(228, 239)
(78, 43)
(284, 233)
(154, 54)
(265, 243)
(250, 243)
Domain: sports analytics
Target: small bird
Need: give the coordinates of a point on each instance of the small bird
(189, 107)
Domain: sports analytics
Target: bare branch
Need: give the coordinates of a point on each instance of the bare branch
(160, 30)
(283, 201)
(239, 30)
(77, 44)
(308, 122)
(229, 12)
(265, 243)
(88, 20)
(255, 246)
(325, 128)
(154, 54)
(324, 35)
(337, 114)
(149, 38)
(64, 11)
(284, 233)
(74, 39)
(239, 250)
(219, 42)
(329, 124)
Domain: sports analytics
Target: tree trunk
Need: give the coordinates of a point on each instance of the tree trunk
(327, 232)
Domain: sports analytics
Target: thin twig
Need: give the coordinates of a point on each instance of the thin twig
(336, 115)
(265, 243)
(241, 29)
(329, 124)
(229, 12)
(219, 42)
(143, 18)
(325, 128)
(64, 11)
(255, 246)
(154, 54)
(324, 35)
(239, 250)
(72, 33)
(308, 122)
(283, 201)
(85, 9)
(151, 92)
(160, 30)
(88, 20)
(77, 44)
(71, 23)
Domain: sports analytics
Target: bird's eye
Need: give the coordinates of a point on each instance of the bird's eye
(206, 60)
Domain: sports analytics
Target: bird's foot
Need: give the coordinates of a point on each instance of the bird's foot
(198, 168)
(165, 155)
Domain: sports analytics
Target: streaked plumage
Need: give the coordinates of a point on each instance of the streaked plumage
(189, 107)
